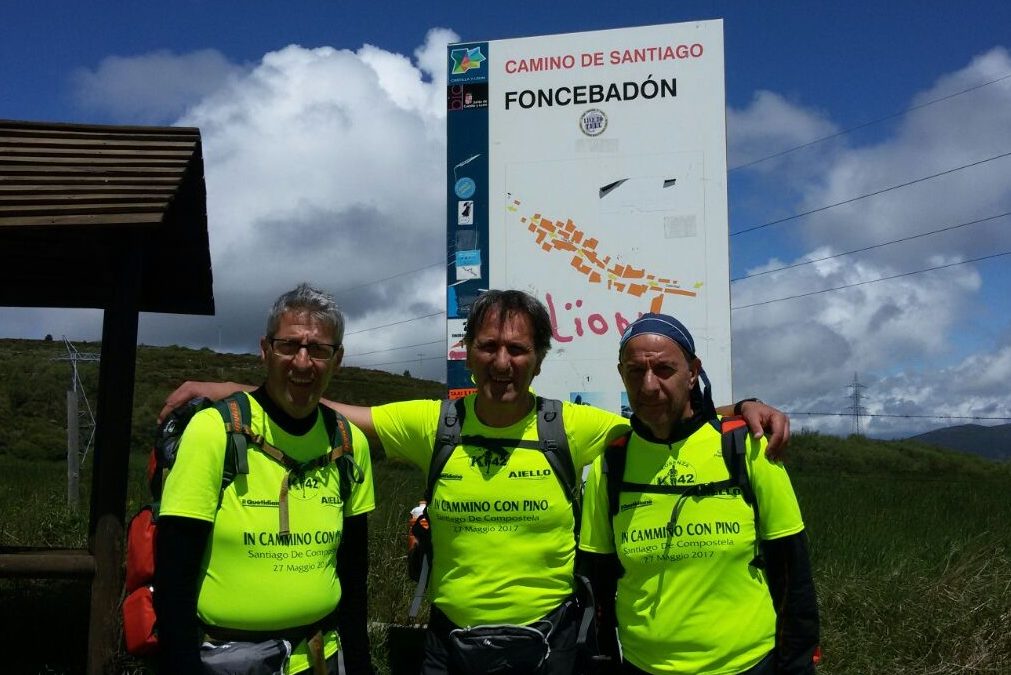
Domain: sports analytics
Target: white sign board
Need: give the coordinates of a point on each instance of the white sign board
(589, 169)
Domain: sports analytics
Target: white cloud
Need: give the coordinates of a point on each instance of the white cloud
(935, 138)
(152, 88)
(328, 165)
(900, 336)
(768, 125)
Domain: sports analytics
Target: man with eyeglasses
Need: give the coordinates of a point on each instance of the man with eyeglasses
(230, 567)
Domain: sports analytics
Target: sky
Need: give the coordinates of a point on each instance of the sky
(878, 255)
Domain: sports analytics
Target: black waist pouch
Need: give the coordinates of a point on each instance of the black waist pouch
(245, 658)
(502, 649)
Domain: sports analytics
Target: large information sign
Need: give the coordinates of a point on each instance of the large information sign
(589, 169)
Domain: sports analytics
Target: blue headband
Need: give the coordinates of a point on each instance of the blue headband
(670, 328)
(659, 324)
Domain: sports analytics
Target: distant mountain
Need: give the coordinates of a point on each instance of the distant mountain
(990, 442)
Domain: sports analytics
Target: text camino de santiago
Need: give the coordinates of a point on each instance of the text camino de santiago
(615, 57)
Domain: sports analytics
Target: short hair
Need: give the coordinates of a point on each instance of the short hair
(320, 305)
(505, 303)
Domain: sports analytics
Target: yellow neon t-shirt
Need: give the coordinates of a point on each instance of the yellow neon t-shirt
(502, 528)
(253, 578)
(689, 602)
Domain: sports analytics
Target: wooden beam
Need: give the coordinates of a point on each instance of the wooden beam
(59, 208)
(107, 530)
(8, 139)
(100, 220)
(48, 564)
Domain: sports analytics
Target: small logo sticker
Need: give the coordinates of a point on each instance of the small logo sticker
(465, 212)
(465, 187)
(593, 122)
(466, 59)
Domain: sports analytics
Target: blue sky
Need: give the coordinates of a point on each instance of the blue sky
(324, 140)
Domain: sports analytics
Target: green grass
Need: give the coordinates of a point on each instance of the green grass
(911, 545)
(913, 573)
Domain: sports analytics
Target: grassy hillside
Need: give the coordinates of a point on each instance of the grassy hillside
(33, 385)
(909, 543)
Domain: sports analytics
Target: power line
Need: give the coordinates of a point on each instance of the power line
(392, 363)
(393, 349)
(794, 413)
(868, 248)
(872, 281)
(865, 196)
(379, 281)
(867, 124)
(395, 323)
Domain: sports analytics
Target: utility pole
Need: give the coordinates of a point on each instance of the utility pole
(75, 417)
(856, 409)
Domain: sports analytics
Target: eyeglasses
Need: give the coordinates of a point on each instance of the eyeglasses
(318, 351)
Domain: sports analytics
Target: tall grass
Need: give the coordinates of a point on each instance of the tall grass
(913, 575)
(913, 570)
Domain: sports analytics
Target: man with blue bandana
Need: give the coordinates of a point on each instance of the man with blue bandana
(671, 554)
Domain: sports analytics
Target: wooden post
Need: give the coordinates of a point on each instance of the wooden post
(73, 452)
(112, 455)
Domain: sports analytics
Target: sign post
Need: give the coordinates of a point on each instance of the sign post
(589, 169)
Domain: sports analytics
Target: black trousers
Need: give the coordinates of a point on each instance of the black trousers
(561, 661)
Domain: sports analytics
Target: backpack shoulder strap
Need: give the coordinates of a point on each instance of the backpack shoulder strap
(337, 429)
(341, 451)
(734, 434)
(447, 437)
(236, 414)
(614, 470)
(555, 446)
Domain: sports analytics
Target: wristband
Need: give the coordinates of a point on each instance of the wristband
(740, 404)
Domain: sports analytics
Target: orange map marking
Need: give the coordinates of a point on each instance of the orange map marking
(555, 235)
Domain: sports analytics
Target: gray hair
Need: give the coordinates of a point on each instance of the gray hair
(320, 305)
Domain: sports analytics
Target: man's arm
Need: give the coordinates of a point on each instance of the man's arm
(192, 389)
(352, 613)
(359, 415)
(179, 549)
(761, 418)
(788, 569)
(602, 571)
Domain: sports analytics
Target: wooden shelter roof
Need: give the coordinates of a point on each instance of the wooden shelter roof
(73, 197)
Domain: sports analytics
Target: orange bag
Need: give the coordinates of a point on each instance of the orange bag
(138, 622)
(140, 542)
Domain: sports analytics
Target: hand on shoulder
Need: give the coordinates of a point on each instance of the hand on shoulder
(193, 389)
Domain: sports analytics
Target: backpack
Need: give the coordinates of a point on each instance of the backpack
(139, 621)
(734, 442)
(551, 440)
